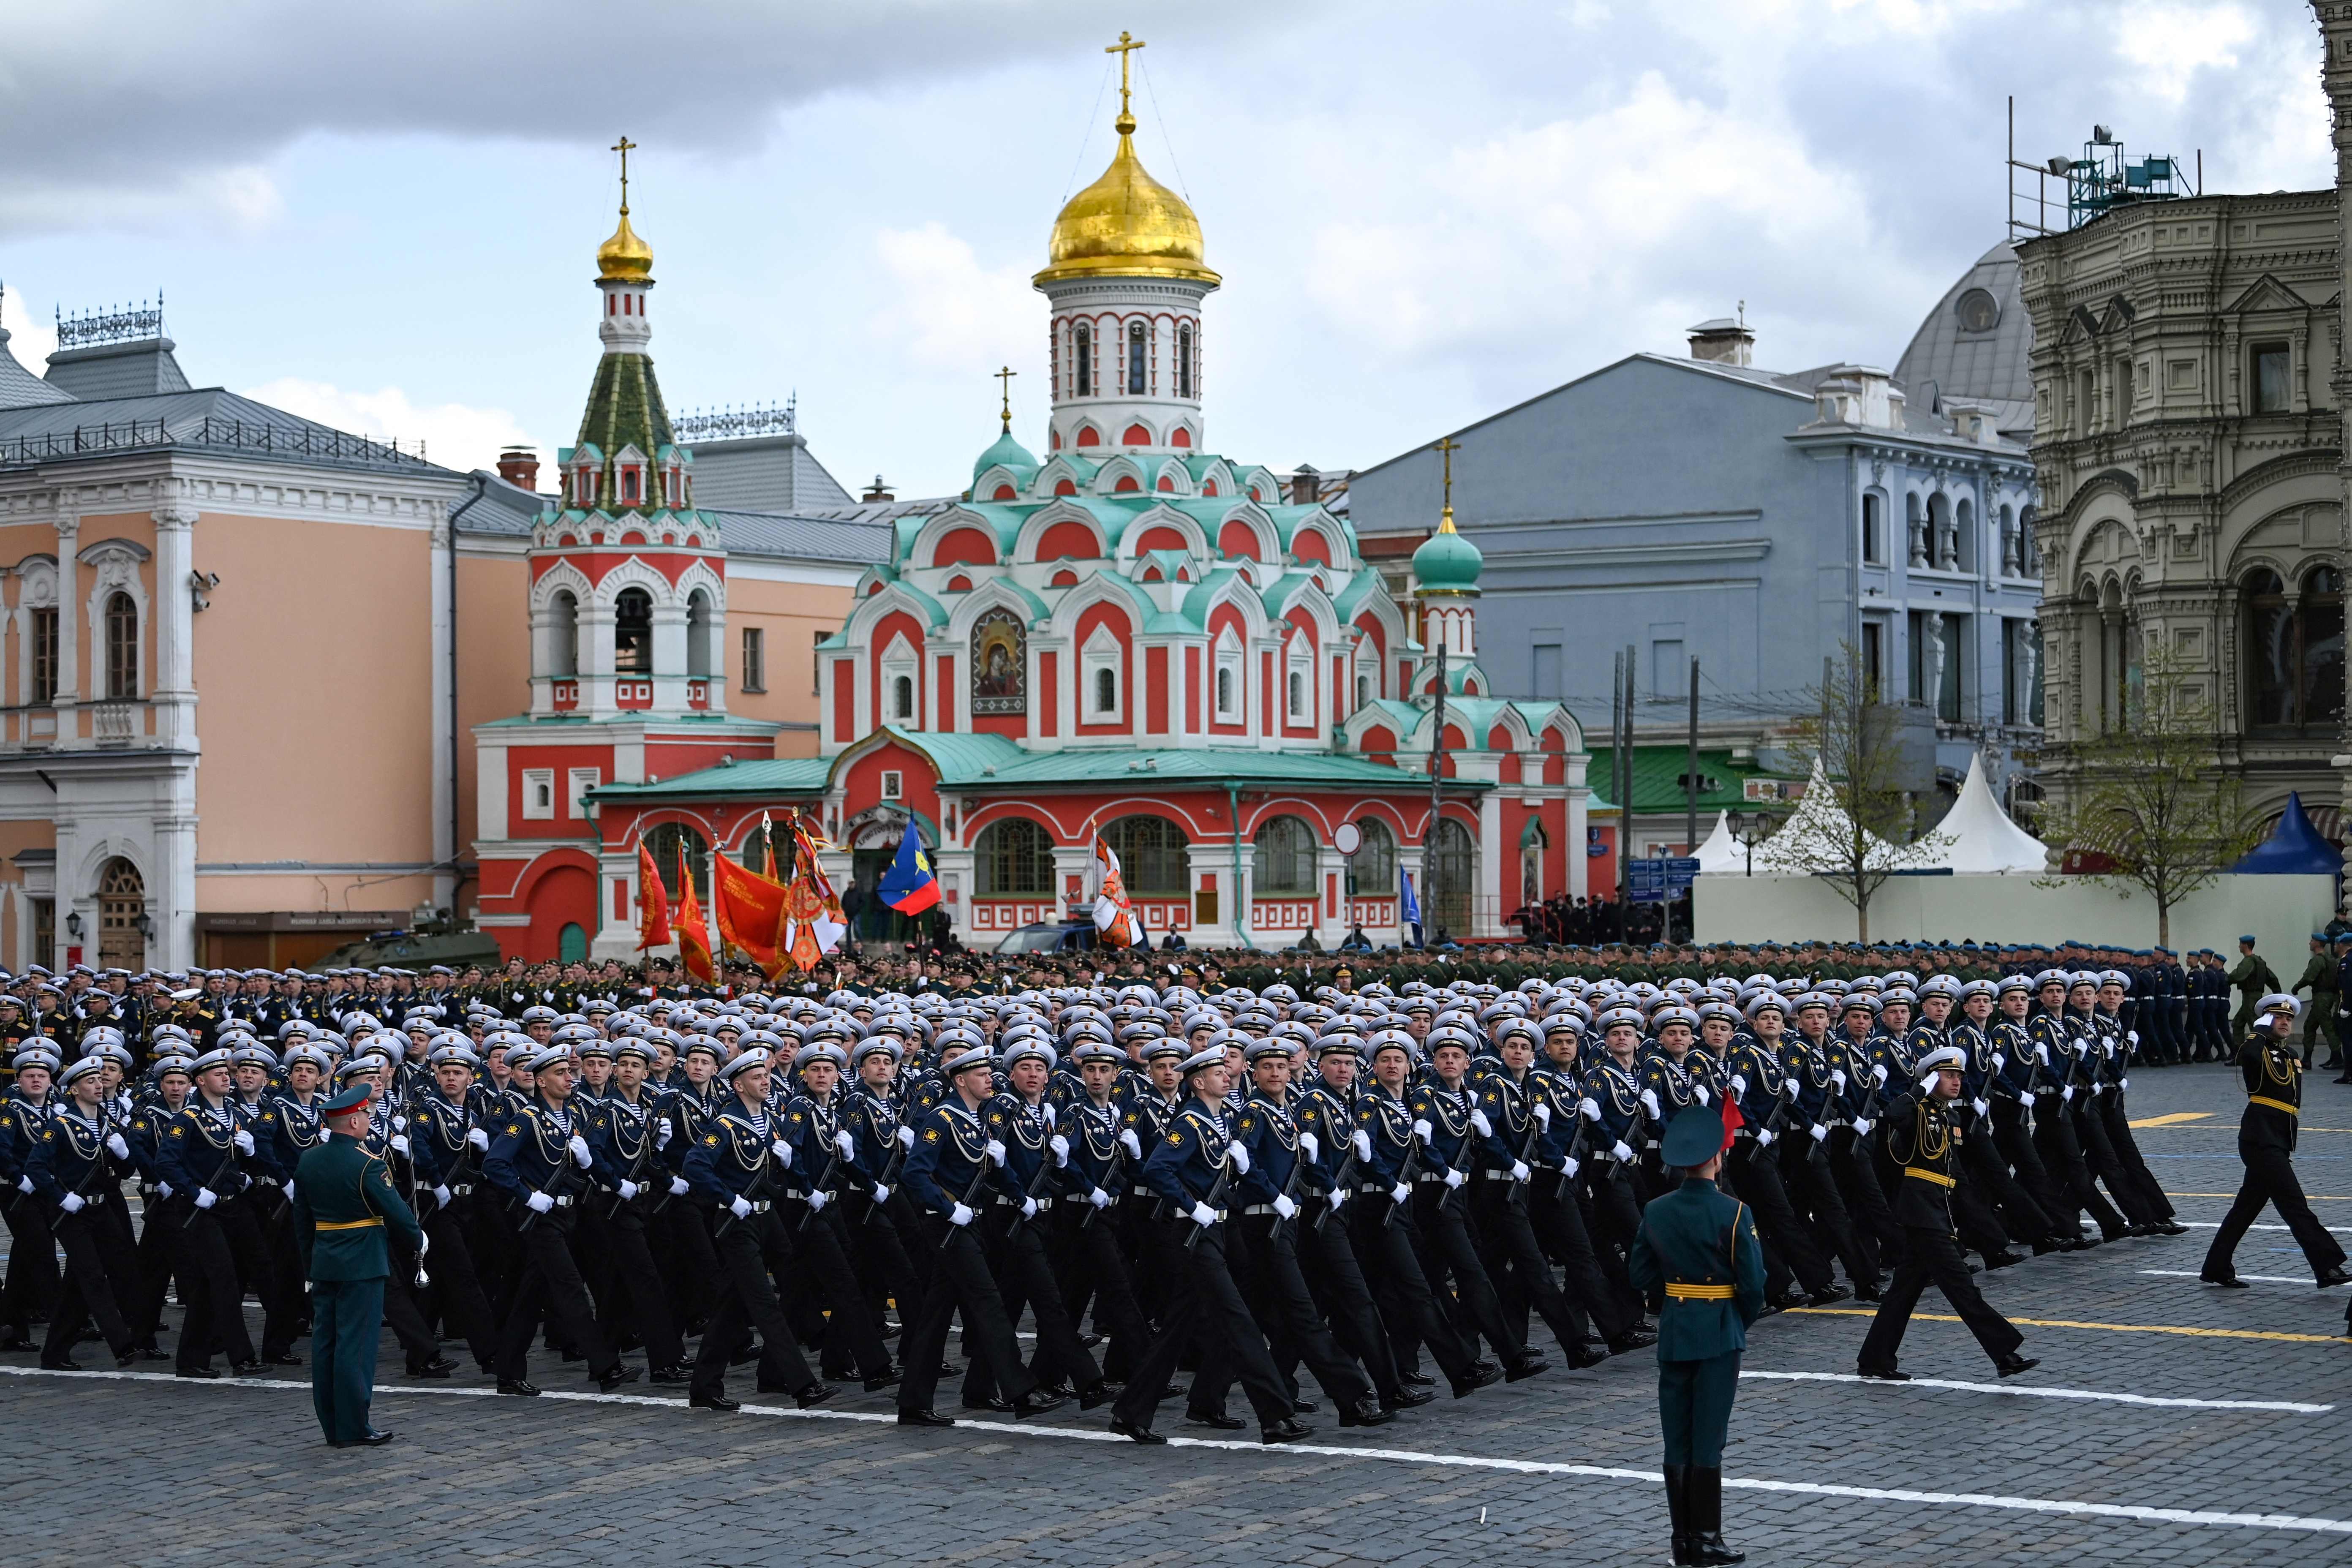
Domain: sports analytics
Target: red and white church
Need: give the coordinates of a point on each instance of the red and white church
(1129, 636)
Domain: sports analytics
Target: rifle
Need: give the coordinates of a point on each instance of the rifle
(1110, 1173)
(98, 1166)
(1217, 1191)
(824, 1185)
(1573, 1156)
(1036, 1183)
(979, 1179)
(889, 1176)
(1517, 1196)
(556, 1187)
(1290, 1189)
(1406, 1172)
(637, 1167)
(752, 1191)
(228, 1166)
(1339, 1180)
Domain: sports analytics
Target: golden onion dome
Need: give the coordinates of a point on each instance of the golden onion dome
(1126, 225)
(624, 257)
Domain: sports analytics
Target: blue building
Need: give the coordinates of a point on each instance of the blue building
(1760, 523)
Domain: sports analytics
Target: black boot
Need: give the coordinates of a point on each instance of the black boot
(1708, 1545)
(1678, 1511)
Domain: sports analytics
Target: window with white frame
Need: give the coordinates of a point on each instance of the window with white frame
(1102, 689)
(1229, 680)
(899, 669)
(578, 781)
(1298, 688)
(538, 795)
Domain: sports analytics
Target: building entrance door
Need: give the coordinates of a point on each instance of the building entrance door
(121, 910)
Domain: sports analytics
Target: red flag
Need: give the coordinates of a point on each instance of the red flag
(653, 903)
(751, 911)
(1732, 1121)
(693, 936)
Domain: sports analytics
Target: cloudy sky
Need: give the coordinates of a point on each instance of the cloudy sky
(386, 216)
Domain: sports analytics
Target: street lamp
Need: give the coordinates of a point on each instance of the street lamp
(1749, 828)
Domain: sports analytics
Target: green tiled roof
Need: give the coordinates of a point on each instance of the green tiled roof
(1657, 775)
(624, 410)
(769, 776)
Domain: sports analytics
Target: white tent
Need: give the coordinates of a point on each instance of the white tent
(1721, 852)
(1814, 837)
(1977, 835)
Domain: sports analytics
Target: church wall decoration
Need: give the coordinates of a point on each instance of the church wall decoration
(999, 664)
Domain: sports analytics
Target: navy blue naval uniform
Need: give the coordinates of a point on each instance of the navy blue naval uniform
(951, 1175)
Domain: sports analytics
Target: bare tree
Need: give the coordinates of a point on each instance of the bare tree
(2141, 805)
(1853, 828)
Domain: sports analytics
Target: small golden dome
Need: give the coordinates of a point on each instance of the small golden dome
(1126, 225)
(624, 257)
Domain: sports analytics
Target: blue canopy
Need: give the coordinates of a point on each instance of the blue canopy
(2294, 849)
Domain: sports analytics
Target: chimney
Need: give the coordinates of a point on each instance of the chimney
(519, 465)
(1724, 341)
(1306, 486)
(879, 491)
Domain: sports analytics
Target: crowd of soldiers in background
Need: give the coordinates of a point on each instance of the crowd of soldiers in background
(621, 1161)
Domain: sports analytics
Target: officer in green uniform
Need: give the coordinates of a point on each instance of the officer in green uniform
(343, 1200)
(2320, 979)
(2254, 979)
(1697, 1253)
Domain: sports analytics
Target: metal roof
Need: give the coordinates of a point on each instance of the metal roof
(206, 419)
(19, 387)
(1947, 358)
(856, 542)
(1657, 778)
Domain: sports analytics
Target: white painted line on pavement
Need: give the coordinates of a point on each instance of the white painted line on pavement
(2258, 1278)
(2020, 1390)
(2216, 1225)
(1389, 1455)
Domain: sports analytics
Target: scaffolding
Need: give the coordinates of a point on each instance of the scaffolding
(2102, 179)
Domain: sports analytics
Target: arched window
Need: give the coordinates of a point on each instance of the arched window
(1013, 857)
(1372, 869)
(633, 633)
(1184, 360)
(1449, 903)
(1152, 859)
(1532, 844)
(1138, 340)
(121, 647)
(1082, 357)
(1874, 528)
(698, 634)
(1228, 705)
(1940, 543)
(1283, 859)
(1106, 691)
(670, 842)
(1297, 695)
(902, 697)
(2296, 661)
(1363, 690)
(563, 634)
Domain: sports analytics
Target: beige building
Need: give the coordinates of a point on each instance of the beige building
(238, 650)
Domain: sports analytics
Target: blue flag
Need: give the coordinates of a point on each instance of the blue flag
(907, 886)
(1411, 908)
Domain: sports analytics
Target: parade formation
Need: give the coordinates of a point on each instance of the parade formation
(1404, 1189)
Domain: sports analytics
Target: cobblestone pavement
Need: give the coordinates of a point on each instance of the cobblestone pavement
(1561, 1469)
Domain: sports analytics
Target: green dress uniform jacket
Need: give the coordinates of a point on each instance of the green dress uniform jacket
(1697, 1251)
(343, 1198)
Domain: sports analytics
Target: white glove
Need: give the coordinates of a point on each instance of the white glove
(629, 1189)
(1570, 1167)
(1478, 1120)
(478, 1138)
(1591, 1107)
(1363, 1142)
(244, 1141)
(1542, 1114)
(289, 1190)
(1240, 1157)
(1928, 1082)
(2044, 1052)
(782, 1152)
(204, 1196)
(818, 1200)
(1703, 1097)
(163, 1189)
(1061, 1148)
(1837, 1076)
(1738, 1083)
(2132, 1034)
(1821, 1133)
(1309, 1146)
(2066, 1095)
(996, 1151)
(1099, 1198)
(739, 1209)
(1998, 1061)
(881, 1193)
(121, 1151)
(1621, 1150)
(1422, 1131)
(1133, 1144)
(662, 1130)
(1862, 1125)
(1980, 1107)
(1878, 1072)
(1519, 1172)
(1399, 1192)
(1455, 1179)
(1202, 1214)
(580, 1156)
(2123, 1083)
(539, 1202)
(72, 1203)
(1283, 1207)
(1764, 1137)
(1051, 1118)
(440, 1194)
(1338, 1196)
(1649, 1103)
(678, 1188)
(400, 1144)
(400, 1123)
(848, 1144)
(959, 1215)
(906, 1137)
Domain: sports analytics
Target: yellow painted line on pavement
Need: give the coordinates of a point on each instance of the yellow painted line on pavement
(2175, 1119)
(2110, 1328)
